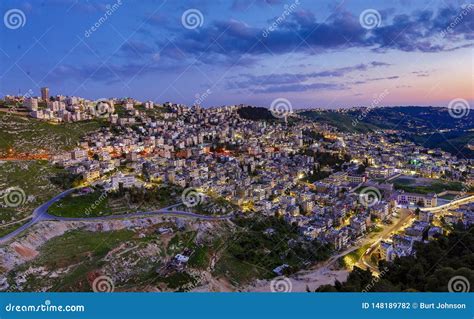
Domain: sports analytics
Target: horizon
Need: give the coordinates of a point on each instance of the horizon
(315, 55)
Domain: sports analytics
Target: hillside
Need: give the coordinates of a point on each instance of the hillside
(26, 135)
(424, 271)
(255, 113)
(427, 126)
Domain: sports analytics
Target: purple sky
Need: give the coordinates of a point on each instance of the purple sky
(313, 53)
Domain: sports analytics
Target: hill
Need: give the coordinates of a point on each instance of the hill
(26, 135)
(425, 271)
(255, 113)
(426, 126)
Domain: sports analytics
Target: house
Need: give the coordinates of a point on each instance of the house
(280, 269)
(413, 199)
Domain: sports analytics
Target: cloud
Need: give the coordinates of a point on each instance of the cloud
(300, 87)
(296, 81)
(109, 73)
(242, 5)
(157, 19)
(301, 32)
(421, 73)
(136, 48)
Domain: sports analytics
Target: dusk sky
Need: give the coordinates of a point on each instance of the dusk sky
(317, 54)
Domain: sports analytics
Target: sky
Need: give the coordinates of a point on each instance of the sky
(327, 54)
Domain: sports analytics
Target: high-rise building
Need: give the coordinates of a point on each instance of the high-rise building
(45, 94)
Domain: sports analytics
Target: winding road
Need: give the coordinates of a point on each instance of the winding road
(41, 214)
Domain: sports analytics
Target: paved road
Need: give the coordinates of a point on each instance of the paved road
(460, 201)
(406, 216)
(41, 214)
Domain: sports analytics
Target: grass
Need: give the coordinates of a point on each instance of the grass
(80, 251)
(181, 241)
(411, 185)
(235, 270)
(435, 187)
(79, 246)
(376, 229)
(449, 196)
(353, 257)
(88, 205)
(34, 178)
(404, 181)
(212, 206)
(200, 258)
(28, 135)
(83, 253)
(8, 229)
(98, 203)
(176, 280)
(343, 122)
(250, 248)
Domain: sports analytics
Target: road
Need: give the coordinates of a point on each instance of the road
(41, 214)
(460, 201)
(364, 261)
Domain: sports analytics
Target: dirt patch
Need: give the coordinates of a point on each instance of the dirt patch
(25, 252)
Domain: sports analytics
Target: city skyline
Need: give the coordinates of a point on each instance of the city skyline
(238, 146)
(250, 52)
